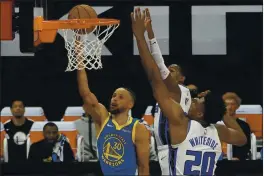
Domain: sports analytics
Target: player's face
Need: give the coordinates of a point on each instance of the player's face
(18, 109)
(196, 110)
(120, 101)
(231, 106)
(176, 74)
(51, 134)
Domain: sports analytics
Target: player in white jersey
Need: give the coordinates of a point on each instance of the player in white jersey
(194, 140)
(173, 78)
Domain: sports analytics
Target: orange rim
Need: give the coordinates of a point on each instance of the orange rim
(40, 24)
(45, 31)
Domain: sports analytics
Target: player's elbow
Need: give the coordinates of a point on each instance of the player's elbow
(242, 139)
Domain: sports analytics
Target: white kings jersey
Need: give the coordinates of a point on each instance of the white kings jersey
(198, 153)
(161, 130)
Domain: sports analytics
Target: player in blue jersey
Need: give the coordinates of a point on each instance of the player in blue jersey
(123, 143)
(194, 140)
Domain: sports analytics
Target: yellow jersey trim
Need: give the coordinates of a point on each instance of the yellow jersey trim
(134, 131)
(119, 127)
(103, 125)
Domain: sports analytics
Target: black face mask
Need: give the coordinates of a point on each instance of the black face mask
(194, 93)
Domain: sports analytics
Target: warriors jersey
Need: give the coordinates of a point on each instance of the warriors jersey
(116, 147)
(198, 153)
(161, 130)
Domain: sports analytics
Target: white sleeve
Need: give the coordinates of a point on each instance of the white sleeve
(155, 51)
(157, 56)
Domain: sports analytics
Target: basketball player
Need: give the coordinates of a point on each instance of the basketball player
(194, 141)
(123, 143)
(173, 78)
(17, 129)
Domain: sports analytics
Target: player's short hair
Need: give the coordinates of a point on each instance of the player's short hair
(214, 108)
(132, 94)
(232, 95)
(13, 101)
(181, 70)
(50, 124)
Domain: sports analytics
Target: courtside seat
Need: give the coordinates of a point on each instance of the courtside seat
(33, 113)
(73, 113)
(253, 116)
(253, 148)
(66, 128)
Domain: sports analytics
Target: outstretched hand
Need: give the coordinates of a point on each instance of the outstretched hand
(148, 24)
(138, 23)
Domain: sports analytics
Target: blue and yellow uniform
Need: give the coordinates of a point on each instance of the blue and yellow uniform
(116, 147)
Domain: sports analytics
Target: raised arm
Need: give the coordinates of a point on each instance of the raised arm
(169, 107)
(97, 111)
(142, 140)
(170, 83)
(231, 132)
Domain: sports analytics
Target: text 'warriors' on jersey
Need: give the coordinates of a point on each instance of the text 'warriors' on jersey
(116, 148)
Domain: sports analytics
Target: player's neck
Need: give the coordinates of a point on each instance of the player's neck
(18, 121)
(121, 118)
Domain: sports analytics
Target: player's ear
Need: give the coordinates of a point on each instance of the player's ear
(200, 115)
(130, 105)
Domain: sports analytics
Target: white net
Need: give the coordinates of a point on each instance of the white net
(85, 47)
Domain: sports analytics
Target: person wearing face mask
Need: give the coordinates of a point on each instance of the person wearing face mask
(17, 130)
(89, 135)
(53, 148)
(232, 102)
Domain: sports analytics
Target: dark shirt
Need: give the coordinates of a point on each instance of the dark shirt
(42, 152)
(17, 142)
(243, 152)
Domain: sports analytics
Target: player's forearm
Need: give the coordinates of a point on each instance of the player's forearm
(148, 63)
(150, 34)
(83, 83)
(158, 58)
(170, 82)
(231, 122)
(143, 170)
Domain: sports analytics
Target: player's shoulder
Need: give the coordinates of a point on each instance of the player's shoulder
(103, 110)
(7, 123)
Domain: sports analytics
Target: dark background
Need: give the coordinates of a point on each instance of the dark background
(42, 80)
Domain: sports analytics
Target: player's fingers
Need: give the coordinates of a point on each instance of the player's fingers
(132, 17)
(135, 14)
(147, 13)
(138, 13)
(143, 14)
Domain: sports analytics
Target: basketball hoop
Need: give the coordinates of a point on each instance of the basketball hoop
(77, 34)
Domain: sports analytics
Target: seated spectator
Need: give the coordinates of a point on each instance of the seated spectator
(17, 130)
(53, 148)
(233, 101)
(86, 128)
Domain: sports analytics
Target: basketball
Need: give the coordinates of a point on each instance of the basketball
(83, 12)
